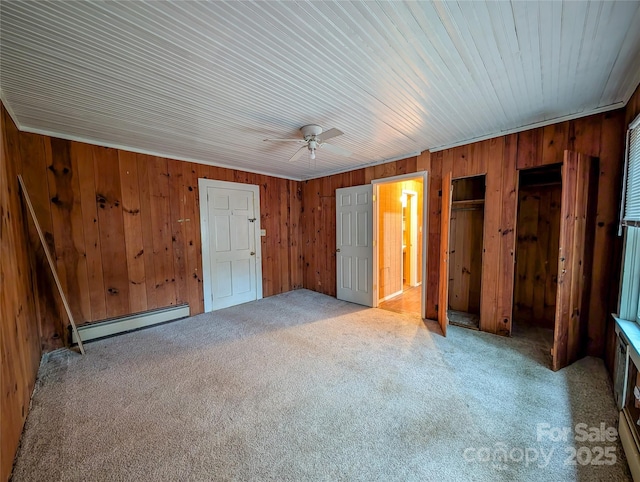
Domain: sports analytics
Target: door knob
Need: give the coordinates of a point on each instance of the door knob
(252, 253)
(338, 250)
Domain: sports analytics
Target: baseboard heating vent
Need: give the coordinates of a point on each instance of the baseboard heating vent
(136, 321)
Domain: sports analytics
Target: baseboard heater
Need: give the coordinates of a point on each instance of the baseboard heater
(127, 323)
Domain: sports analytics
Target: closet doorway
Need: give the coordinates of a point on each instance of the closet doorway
(466, 229)
(537, 245)
(554, 255)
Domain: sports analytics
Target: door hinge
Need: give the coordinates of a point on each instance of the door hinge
(436, 306)
(373, 198)
(440, 193)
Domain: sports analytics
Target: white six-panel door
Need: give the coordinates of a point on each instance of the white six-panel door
(354, 250)
(230, 243)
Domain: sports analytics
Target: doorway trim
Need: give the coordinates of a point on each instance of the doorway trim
(425, 231)
(207, 275)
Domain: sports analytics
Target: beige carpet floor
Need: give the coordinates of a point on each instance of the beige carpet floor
(301, 386)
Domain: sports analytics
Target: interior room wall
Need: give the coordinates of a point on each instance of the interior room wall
(416, 185)
(600, 135)
(389, 240)
(19, 326)
(465, 258)
(537, 251)
(125, 227)
(319, 217)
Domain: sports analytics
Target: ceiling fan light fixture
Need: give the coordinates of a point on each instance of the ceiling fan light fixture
(312, 154)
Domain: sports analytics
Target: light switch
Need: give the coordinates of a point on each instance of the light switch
(263, 232)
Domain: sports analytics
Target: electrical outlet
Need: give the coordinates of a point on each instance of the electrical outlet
(263, 232)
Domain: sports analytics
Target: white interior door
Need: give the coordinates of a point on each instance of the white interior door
(354, 250)
(230, 246)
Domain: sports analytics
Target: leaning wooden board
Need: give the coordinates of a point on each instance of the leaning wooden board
(51, 263)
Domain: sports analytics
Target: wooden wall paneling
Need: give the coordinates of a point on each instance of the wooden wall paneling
(308, 220)
(475, 262)
(491, 237)
(295, 234)
(326, 279)
(164, 273)
(143, 161)
(529, 148)
(538, 231)
(193, 242)
(112, 240)
(527, 239)
(132, 219)
(270, 221)
(178, 219)
(555, 139)
(543, 259)
(459, 259)
(35, 157)
(507, 231)
(390, 239)
(585, 135)
(433, 247)
(82, 159)
(607, 245)
(443, 285)
(276, 191)
(34, 171)
(551, 283)
(462, 163)
(66, 215)
(283, 220)
(51, 264)
(18, 320)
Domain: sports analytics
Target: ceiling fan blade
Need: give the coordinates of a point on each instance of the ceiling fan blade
(335, 149)
(329, 134)
(298, 154)
(287, 140)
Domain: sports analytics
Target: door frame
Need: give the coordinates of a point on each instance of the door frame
(425, 231)
(203, 185)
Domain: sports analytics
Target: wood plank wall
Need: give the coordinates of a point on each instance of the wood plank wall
(19, 327)
(465, 258)
(600, 135)
(538, 236)
(125, 227)
(390, 240)
(319, 217)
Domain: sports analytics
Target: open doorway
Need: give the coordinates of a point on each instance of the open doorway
(537, 249)
(399, 250)
(465, 251)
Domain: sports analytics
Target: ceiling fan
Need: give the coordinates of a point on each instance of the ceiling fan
(314, 138)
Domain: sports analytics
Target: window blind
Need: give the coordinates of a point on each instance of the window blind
(632, 177)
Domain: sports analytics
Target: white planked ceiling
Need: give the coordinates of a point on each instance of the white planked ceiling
(208, 81)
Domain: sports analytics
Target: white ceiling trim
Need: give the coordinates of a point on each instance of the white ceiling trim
(535, 125)
(95, 142)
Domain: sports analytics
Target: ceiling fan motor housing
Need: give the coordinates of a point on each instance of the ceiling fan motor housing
(311, 130)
